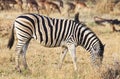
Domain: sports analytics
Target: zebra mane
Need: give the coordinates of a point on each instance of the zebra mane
(76, 19)
(101, 48)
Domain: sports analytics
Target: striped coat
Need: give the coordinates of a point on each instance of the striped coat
(52, 32)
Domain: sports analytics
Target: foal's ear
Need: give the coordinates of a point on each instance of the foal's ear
(76, 19)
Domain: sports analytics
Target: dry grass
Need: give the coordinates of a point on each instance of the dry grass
(104, 6)
(43, 62)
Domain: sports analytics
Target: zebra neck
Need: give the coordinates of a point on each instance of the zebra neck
(92, 44)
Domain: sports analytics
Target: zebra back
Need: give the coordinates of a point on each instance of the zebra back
(51, 32)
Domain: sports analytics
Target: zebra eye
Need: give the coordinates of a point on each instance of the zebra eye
(94, 50)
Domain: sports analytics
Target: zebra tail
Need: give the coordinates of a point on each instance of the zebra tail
(11, 39)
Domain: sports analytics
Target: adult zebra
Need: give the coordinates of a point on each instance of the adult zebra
(52, 32)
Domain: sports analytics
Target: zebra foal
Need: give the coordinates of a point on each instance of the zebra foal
(52, 32)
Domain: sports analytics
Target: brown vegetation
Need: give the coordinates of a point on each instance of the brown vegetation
(32, 5)
(43, 62)
(5, 4)
(50, 6)
(106, 6)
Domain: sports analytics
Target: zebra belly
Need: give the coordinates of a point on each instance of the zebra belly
(49, 43)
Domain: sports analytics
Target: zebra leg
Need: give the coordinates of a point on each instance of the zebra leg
(72, 50)
(17, 60)
(21, 50)
(62, 57)
(24, 54)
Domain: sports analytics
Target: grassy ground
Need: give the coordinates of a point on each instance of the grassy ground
(43, 62)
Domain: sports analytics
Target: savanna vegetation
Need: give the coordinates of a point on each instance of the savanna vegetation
(43, 62)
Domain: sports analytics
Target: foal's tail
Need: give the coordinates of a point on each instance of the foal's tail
(11, 39)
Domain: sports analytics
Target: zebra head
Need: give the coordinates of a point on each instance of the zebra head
(97, 52)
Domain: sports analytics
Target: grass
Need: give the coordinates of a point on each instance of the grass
(43, 62)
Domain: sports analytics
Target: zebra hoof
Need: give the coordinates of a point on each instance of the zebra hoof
(59, 66)
(18, 69)
(28, 69)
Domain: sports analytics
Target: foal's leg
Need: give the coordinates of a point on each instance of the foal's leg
(18, 52)
(72, 50)
(62, 57)
(21, 50)
(24, 54)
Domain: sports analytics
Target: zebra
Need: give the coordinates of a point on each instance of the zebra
(54, 32)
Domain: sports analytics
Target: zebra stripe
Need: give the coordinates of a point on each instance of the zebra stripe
(52, 32)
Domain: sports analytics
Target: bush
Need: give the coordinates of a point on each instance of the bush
(112, 71)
